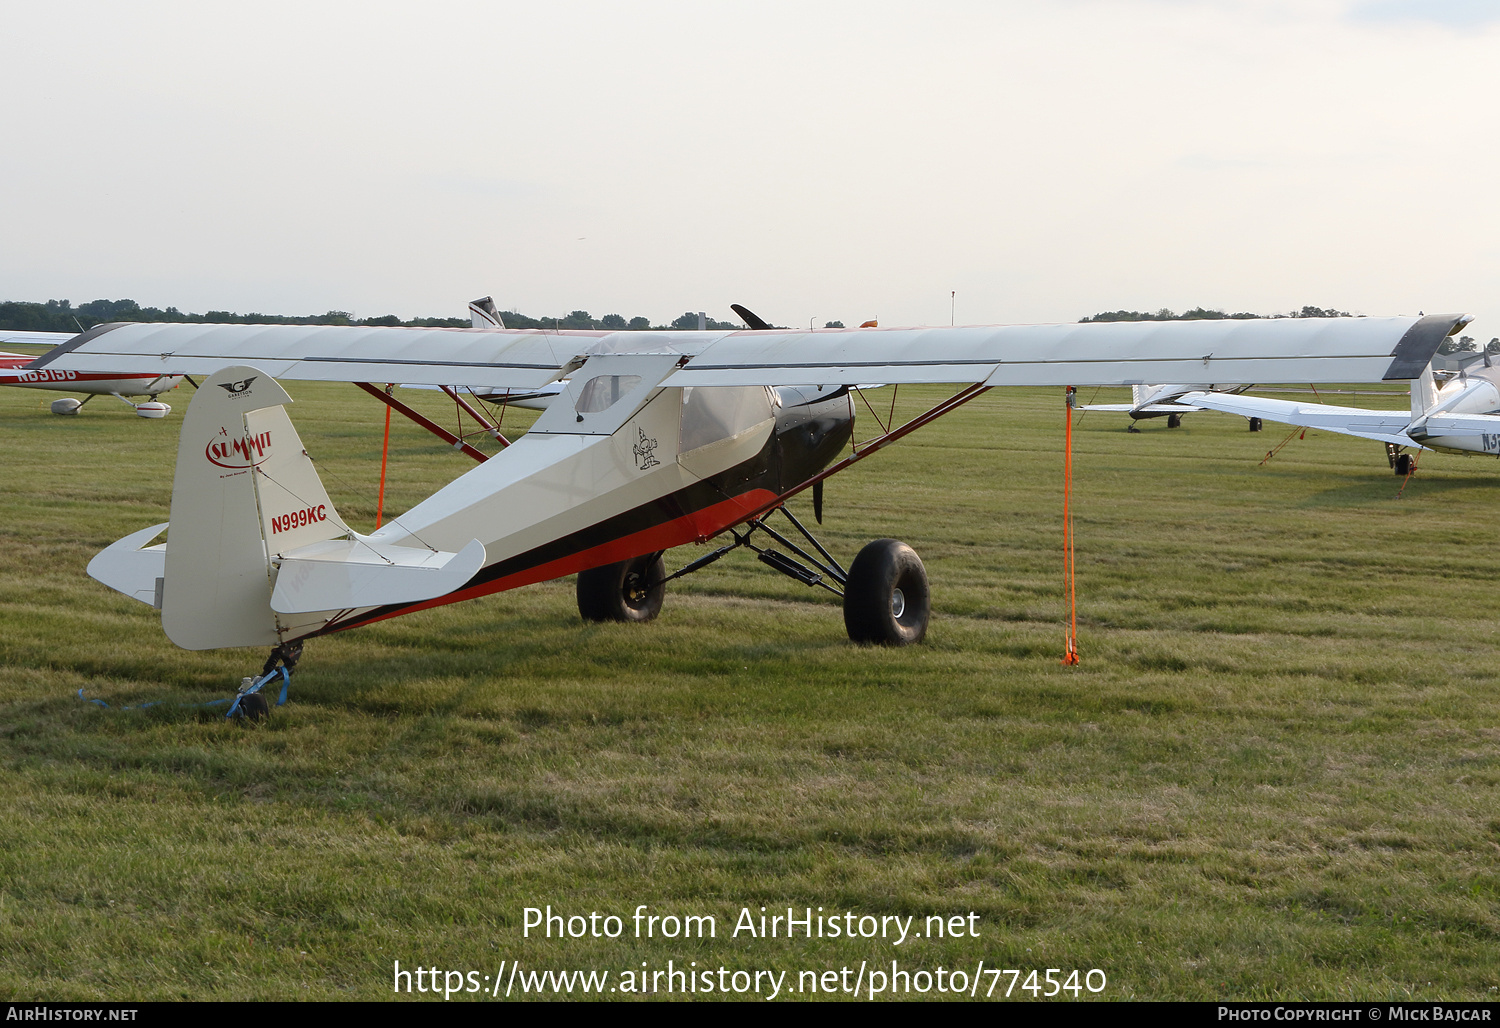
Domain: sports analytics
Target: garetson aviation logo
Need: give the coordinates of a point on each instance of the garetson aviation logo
(239, 388)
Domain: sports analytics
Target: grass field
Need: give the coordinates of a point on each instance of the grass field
(1275, 774)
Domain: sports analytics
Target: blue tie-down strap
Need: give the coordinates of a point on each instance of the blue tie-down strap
(286, 680)
(153, 703)
(233, 701)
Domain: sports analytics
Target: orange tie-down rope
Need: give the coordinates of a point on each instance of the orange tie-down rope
(385, 449)
(1070, 583)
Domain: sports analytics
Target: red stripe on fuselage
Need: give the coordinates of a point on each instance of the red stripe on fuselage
(65, 380)
(695, 527)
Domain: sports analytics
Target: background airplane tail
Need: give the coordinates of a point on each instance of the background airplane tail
(484, 314)
(1423, 393)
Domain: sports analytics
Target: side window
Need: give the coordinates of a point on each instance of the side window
(711, 413)
(602, 392)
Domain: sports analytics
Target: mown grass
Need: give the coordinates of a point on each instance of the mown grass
(1275, 774)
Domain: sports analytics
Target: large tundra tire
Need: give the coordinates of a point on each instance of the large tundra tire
(886, 600)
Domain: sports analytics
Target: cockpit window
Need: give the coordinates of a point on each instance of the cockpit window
(603, 392)
(718, 412)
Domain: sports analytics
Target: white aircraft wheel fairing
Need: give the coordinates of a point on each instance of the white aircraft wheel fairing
(67, 405)
(631, 590)
(152, 409)
(886, 600)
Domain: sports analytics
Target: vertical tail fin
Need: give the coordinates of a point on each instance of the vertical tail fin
(244, 492)
(1423, 393)
(484, 314)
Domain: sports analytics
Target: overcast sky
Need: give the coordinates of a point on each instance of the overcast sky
(1045, 160)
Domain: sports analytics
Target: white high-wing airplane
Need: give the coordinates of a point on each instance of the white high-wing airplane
(1456, 412)
(657, 440)
(1164, 401)
(17, 369)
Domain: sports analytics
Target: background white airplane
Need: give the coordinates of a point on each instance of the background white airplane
(16, 370)
(1165, 401)
(1456, 412)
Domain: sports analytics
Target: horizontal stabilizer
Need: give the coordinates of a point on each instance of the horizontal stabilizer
(1462, 424)
(131, 567)
(340, 574)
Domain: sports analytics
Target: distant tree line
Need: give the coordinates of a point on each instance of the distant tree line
(616, 322)
(1467, 344)
(1205, 314)
(62, 316)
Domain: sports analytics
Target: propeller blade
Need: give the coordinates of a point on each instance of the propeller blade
(750, 318)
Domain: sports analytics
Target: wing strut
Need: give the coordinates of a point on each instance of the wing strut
(427, 423)
(952, 403)
(484, 422)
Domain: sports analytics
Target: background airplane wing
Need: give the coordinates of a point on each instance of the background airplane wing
(9, 338)
(1150, 408)
(1109, 353)
(1385, 426)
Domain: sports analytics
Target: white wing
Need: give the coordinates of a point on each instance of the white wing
(1386, 426)
(9, 338)
(480, 358)
(1111, 353)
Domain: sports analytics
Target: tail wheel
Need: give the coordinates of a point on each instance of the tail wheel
(631, 590)
(254, 707)
(886, 599)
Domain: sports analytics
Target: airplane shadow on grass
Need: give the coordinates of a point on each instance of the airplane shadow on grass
(1388, 488)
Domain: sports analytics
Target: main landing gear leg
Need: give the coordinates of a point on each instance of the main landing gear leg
(249, 703)
(1402, 464)
(885, 594)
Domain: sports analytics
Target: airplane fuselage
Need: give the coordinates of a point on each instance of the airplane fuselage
(14, 372)
(1474, 391)
(554, 504)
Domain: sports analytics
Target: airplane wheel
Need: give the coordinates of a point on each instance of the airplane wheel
(623, 591)
(886, 599)
(1403, 463)
(254, 707)
(1256, 425)
(1174, 420)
